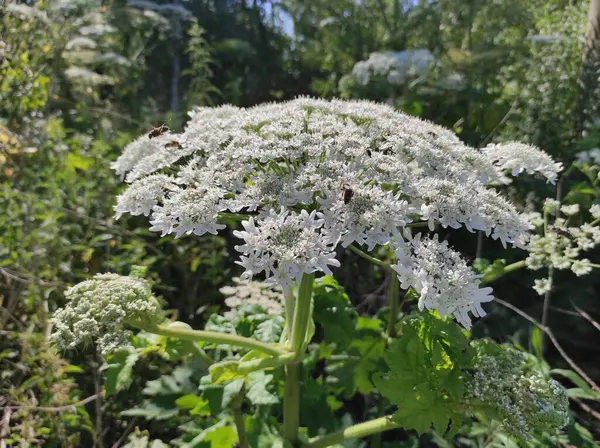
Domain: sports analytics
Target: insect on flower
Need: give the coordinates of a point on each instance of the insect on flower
(347, 193)
(159, 130)
(563, 232)
(173, 144)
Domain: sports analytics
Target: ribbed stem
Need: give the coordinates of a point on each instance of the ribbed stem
(302, 314)
(238, 418)
(291, 403)
(291, 399)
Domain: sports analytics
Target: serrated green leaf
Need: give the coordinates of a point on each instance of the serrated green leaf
(270, 330)
(151, 411)
(257, 393)
(118, 375)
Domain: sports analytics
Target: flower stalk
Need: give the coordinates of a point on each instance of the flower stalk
(291, 404)
(368, 257)
(507, 269)
(238, 418)
(214, 337)
(353, 432)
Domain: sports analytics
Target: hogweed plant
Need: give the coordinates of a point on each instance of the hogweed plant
(306, 179)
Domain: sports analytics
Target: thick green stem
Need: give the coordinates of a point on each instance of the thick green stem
(509, 268)
(214, 337)
(291, 403)
(393, 295)
(367, 257)
(238, 418)
(302, 314)
(291, 400)
(352, 432)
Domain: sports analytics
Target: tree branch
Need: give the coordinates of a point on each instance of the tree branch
(554, 341)
(68, 407)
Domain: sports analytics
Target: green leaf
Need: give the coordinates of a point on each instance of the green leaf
(224, 371)
(333, 312)
(73, 369)
(118, 375)
(263, 430)
(257, 392)
(231, 390)
(536, 342)
(195, 404)
(588, 394)
(151, 410)
(425, 374)
(188, 401)
(77, 161)
(270, 330)
(577, 380)
(219, 435)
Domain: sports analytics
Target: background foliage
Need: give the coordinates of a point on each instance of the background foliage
(80, 79)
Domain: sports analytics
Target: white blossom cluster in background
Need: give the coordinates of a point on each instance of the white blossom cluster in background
(401, 68)
(591, 156)
(253, 293)
(98, 309)
(521, 398)
(310, 175)
(397, 67)
(561, 245)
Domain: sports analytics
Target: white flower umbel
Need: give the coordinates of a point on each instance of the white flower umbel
(595, 211)
(441, 277)
(308, 175)
(519, 157)
(284, 246)
(98, 309)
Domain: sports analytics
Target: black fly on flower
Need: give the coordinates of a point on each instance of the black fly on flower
(347, 193)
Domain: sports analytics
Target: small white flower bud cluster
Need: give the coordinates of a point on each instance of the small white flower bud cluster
(561, 246)
(503, 386)
(253, 293)
(316, 174)
(441, 277)
(98, 309)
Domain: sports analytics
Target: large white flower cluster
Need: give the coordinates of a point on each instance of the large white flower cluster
(504, 386)
(99, 309)
(309, 175)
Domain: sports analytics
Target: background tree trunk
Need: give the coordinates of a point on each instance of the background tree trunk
(588, 76)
